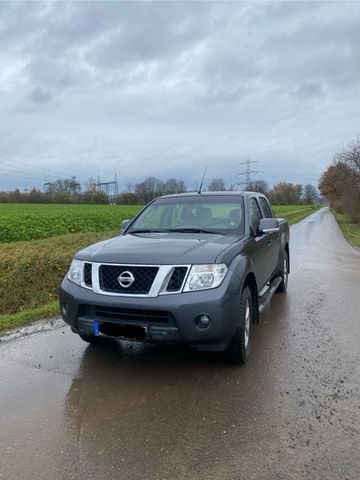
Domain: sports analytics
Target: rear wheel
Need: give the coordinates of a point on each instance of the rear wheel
(284, 274)
(239, 349)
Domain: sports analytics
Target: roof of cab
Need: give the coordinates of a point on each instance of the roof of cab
(236, 193)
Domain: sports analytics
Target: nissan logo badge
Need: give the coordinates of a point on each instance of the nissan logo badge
(126, 279)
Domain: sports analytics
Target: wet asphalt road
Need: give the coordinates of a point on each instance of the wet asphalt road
(72, 411)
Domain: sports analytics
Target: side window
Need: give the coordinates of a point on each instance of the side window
(255, 214)
(265, 208)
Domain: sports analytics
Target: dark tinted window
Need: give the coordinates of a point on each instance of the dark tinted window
(265, 208)
(255, 214)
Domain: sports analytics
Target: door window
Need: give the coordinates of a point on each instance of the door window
(265, 208)
(255, 214)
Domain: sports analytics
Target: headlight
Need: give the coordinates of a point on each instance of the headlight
(202, 277)
(76, 271)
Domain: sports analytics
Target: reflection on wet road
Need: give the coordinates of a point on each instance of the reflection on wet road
(74, 411)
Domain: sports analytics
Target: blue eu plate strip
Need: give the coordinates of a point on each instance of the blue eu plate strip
(96, 328)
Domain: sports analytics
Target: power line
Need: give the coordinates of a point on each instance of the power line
(22, 177)
(16, 169)
(9, 170)
(32, 166)
(29, 175)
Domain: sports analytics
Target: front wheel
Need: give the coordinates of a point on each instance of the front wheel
(239, 349)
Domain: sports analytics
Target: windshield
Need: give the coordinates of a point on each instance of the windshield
(217, 214)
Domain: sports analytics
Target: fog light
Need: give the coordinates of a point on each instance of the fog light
(203, 321)
(64, 309)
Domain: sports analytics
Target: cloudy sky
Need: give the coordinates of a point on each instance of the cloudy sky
(90, 88)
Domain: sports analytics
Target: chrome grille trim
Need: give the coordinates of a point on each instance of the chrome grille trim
(158, 287)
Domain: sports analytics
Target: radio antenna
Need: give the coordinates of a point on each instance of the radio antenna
(202, 180)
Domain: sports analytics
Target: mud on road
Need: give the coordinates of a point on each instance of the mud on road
(72, 411)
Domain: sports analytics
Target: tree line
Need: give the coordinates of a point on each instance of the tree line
(285, 193)
(340, 183)
(69, 191)
(58, 196)
(282, 193)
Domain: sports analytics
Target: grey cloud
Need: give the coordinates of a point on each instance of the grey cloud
(148, 34)
(310, 90)
(39, 96)
(162, 88)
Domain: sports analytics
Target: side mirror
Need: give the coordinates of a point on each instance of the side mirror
(124, 225)
(268, 225)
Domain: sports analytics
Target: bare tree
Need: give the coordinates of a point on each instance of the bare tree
(129, 187)
(257, 186)
(172, 185)
(67, 185)
(150, 188)
(310, 195)
(284, 193)
(217, 185)
(351, 155)
(91, 185)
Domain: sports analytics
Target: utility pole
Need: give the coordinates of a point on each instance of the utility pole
(247, 172)
(116, 192)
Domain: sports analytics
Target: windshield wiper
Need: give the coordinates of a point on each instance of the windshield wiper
(147, 231)
(194, 230)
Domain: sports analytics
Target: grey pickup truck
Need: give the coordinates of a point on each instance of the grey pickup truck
(196, 269)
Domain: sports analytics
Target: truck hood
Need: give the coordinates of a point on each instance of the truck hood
(158, 249)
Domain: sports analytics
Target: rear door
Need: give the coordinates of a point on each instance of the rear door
(261, 252)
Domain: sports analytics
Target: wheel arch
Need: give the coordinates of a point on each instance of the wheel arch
(250, 281)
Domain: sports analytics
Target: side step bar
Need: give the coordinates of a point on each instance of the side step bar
(267, 292)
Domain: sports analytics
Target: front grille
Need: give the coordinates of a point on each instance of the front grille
(88, 274)
(177, 279)
(129, 314)
(143, 278)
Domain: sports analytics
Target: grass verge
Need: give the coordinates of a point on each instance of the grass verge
(8, 321)
(31, 271)
(295, 213)
(351, 231)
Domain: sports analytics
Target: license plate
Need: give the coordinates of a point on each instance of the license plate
(115, 330)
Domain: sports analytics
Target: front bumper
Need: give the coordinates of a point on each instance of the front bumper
(220, 304)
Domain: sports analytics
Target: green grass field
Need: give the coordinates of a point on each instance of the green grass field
(31, 270)
(31, 222)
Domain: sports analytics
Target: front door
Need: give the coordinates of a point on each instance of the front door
(275, 237)
(262, 251)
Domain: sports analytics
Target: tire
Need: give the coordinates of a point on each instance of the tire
(94, 340)
(239, 349)
(284, 274)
